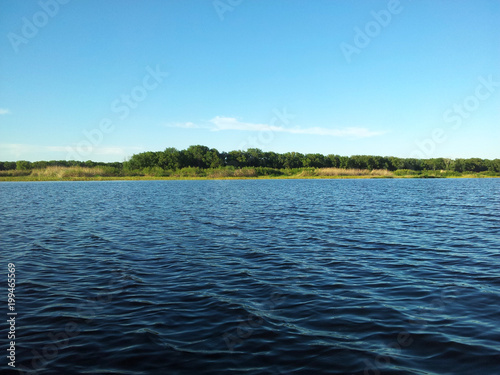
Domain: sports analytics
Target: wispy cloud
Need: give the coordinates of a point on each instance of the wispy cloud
(4, 111)
(230, 123)
(220, 123)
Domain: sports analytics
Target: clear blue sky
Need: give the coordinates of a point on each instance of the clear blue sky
(282, 75)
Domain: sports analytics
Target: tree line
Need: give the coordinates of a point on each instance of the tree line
(204, 157)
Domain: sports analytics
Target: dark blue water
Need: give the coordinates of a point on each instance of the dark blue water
(254, 277)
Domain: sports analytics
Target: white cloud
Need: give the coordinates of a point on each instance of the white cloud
(220, 123)
(4, 111)
(230, 123)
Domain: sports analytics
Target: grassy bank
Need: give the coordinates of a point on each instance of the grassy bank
(110, 173)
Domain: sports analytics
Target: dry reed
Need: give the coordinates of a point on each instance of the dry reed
(353, 172)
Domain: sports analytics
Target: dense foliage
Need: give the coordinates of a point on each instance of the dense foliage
(202, 157)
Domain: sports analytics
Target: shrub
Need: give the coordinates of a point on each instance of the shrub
(221, 172)
(191, 172)
(405, 172)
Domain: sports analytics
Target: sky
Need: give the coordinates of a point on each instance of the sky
(103, 80)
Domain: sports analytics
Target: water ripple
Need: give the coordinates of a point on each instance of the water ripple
(255, 277)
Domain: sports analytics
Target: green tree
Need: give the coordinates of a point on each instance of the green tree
(433, 164)
(475, 165)
(334, 161)
(412, 164)
(373, 162)
(237, 159)
(10, 165)
(23, 165)
(169, 159)
(458, 165)
(196, 156)
(271, 160)
(143, 160)
(39, 165)
(494, 165)
(344, 162)
(314, 160)
(357, 162)
(213, 159)
(292, 159)
(255, 157)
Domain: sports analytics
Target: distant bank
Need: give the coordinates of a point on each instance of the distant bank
(99, 173)
(202, 162)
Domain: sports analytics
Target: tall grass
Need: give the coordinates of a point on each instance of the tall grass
(221, 172)
(106, 172)
(72, 172)
(353, 172)
(14, 173)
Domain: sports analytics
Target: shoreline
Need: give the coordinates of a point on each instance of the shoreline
(167, 178)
